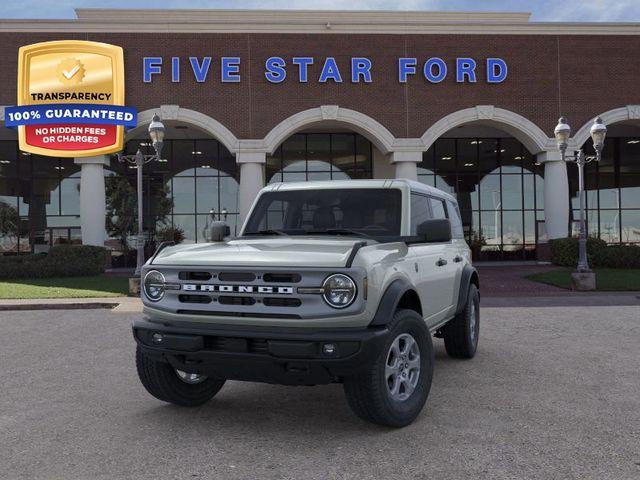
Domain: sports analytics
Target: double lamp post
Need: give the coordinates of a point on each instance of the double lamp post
(156, 134)
(583, 278)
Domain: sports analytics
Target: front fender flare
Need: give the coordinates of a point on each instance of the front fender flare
(389, 302)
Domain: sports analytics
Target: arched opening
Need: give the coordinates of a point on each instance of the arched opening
(612, 186)
(321, 153)
(197, 177)
(39, 199)
(498, 185)
(328, 143)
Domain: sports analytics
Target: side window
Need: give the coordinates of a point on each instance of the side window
(456, 221)
(419, 211)
(437, 206)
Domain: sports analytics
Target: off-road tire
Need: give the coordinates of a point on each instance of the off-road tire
(368, 394)
(458, 338)
(161, 381)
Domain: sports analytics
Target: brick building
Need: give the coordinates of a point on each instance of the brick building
(463, 101)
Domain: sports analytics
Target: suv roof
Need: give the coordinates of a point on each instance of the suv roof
(378, 183)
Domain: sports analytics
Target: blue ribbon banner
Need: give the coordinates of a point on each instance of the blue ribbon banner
(70, 113)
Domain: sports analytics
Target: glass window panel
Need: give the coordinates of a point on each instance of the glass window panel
(511, 155)
(206, 153)
(467, 192)
(539, 191)
(294, 153)
(511, 192)
(512, 228)
(456, 221)
(608, 191)
(427, 165)
(315, 176)
(318, 152)
(610, 226)
(427, 180)
(491, 228)
(446, 184)
(188, 225)
(8, 158)
(58, 221)
(630, 191)
(183, 195)
(445, 156)
(182, 163)
(44, 166)
(530, 227)
(9, 222)
(229, 194)
(488, 155)
(467, 157)
(630, 226)
(207, 195)
(528, 191)
(490, 192)
(294, 177)
(470, 223)
(227, 164)
(629, 155)
(363, 153)
(349, 174)
(343, 151)
(70, 196)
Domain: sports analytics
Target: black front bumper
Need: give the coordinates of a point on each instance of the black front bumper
(272, 355)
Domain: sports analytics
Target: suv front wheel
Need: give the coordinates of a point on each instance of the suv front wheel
(393, 390)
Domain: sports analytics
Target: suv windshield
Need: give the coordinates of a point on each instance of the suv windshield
(364, 212)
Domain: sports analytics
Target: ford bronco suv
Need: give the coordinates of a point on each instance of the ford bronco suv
(338, 281)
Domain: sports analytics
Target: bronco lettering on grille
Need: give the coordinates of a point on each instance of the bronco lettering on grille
(263, 289)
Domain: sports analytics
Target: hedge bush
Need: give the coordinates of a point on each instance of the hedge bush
(61, 261)
(564, 252)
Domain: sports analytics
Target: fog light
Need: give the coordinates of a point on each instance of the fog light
(329, 348)
(157, 338)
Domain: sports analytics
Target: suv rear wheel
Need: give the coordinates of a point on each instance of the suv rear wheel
(461, 334)
(175, 386)
(393, 390)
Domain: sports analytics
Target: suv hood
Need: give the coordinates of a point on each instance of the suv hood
(264, 251)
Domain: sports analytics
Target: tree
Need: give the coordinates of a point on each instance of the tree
(9, 222)
(122, 208)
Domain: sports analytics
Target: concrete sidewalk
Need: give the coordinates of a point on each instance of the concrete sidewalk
(118, 304)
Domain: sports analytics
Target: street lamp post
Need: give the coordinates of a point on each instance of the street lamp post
(156, 133)
(562, 133)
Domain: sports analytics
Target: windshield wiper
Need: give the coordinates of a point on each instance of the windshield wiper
(267, 232)
(338, 231)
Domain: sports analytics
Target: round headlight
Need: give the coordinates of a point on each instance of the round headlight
(154, 285)
(339, 290)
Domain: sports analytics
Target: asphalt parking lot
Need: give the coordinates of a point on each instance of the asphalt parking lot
(554, 392)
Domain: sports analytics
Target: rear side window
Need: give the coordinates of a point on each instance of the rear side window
(437, 206)
(456, 221)
(419, 211)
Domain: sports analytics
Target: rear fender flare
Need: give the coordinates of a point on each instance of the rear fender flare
(469, 276)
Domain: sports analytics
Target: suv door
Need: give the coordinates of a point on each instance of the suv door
(460, 247)
(433, 266)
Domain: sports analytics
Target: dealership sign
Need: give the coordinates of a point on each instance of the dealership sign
(323, 70)
(70, 99)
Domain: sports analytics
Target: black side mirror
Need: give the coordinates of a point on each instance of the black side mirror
(436, 230)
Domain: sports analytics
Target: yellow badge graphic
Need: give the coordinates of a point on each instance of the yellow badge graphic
(71, 99)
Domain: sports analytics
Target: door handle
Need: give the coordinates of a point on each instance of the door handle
(441, 262)
(457, 259)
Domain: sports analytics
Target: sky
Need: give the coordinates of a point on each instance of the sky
(542, 10)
